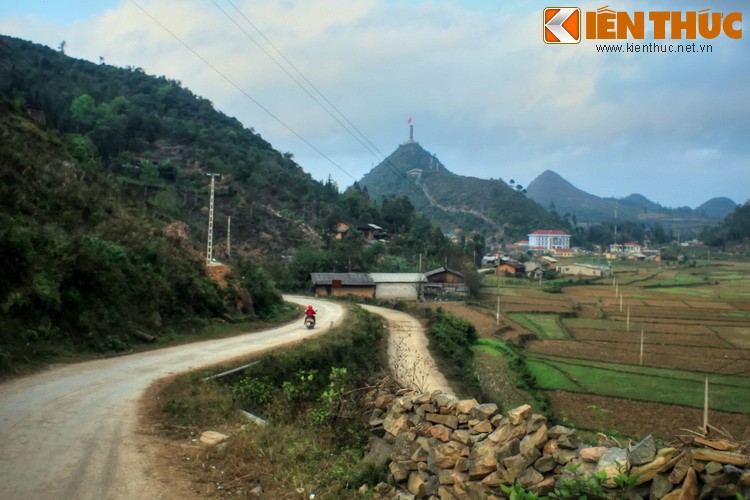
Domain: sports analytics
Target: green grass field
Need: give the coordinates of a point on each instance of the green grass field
(727, 393)
(546, 326)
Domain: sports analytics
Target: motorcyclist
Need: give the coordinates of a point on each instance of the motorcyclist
(310, 313)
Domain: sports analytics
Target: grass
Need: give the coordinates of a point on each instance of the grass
(691, 292)
(681, 387)
(311, 394)
(546, 326)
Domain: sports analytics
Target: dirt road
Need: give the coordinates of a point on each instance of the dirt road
(407, 351)
(70, 431)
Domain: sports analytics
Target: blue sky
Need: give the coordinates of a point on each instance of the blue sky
(486, 95)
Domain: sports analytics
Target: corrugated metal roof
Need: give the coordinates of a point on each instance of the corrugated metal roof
(351, 279)
(398, 277)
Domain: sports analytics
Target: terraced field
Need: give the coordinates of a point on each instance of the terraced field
(695, 324)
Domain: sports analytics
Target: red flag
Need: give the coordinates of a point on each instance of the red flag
(409, 122)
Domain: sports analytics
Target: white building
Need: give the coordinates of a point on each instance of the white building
(549, 239)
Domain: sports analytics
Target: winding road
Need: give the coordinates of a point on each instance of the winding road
(70, 432)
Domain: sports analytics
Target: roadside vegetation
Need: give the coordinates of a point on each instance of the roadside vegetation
(312, 396)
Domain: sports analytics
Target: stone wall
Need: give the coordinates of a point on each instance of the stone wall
(437, 446)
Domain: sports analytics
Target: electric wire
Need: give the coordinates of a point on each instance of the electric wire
(243, 92)
(376, 153)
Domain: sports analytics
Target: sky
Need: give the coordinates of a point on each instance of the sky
(486, 95)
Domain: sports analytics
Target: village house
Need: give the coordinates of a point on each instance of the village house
(402, 286)
(444, 283)
(590, 270)
(368, 231)
(510, 267)
(343, 284)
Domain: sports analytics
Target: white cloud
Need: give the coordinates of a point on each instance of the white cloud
(487, 96)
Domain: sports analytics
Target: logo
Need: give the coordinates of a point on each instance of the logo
(562, 25)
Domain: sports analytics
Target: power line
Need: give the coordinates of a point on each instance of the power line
(376, 153)
(242, 91)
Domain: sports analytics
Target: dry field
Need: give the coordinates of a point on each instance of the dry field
(695, 322)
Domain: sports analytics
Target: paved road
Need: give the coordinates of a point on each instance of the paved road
(70, 431)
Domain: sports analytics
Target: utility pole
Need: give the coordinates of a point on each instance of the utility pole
(209, 245)
(229, 237)
(640, 356)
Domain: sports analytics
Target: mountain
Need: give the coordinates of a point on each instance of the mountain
(454, 201)
(159, 140)
(717, 208)
(550, 189)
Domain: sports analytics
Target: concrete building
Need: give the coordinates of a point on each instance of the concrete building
(546, 239)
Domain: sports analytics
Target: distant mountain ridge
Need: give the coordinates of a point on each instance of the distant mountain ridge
(550, 189)
(455, 201)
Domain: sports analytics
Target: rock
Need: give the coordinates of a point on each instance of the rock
(643, 451)
(745, 478)
(475, 438)
(482, 427)
(680, 469)
(403, 449)
(550, 447)
(384, 490)
(569, 441)
(445, 401)
(660, 487)
(401, 469)
(723, 457)
(445, 456)
(445, 476)
(446, 420)
(535, 440)
(396, 423)
(462, 436)
(690, 489)
(613, 462)
(562, 457)
(458, 477)
(482, 460)
(465, 405)
(714, 468)
(673, 495)
(378, 452)
(560, 430)
(212, 438)
(384, 399)
(440, 432)
(723, 491)
(512, 447)
(446, 493)
(484, 411)
(545, 464)
(416, 483)
(717, 479)
(256, 492)
(519, 414)
(426, 408)
(660, 464)
(529, 478)
(592, 454)
(534, 422)
(545, 487)
(420, 455)
(431, 486)
(506, 432)
(517, 464)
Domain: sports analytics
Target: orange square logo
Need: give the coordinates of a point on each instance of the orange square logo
(562, 25)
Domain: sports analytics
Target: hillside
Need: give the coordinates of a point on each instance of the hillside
(455, 201)
(550, 189)
(160, 140)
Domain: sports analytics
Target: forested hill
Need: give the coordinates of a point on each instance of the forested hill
(451, 201)
(160, 139)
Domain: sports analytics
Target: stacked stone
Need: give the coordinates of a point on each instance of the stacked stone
(438, 446)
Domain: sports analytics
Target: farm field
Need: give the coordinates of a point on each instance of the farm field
(587, 344)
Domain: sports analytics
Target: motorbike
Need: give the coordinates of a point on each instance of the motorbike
(310, 322)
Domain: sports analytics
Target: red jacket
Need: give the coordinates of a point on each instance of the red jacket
(310, 311)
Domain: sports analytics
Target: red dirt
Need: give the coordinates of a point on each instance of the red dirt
(631, 418)
(703, 359)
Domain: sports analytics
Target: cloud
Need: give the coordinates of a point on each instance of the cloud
(487, 96)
